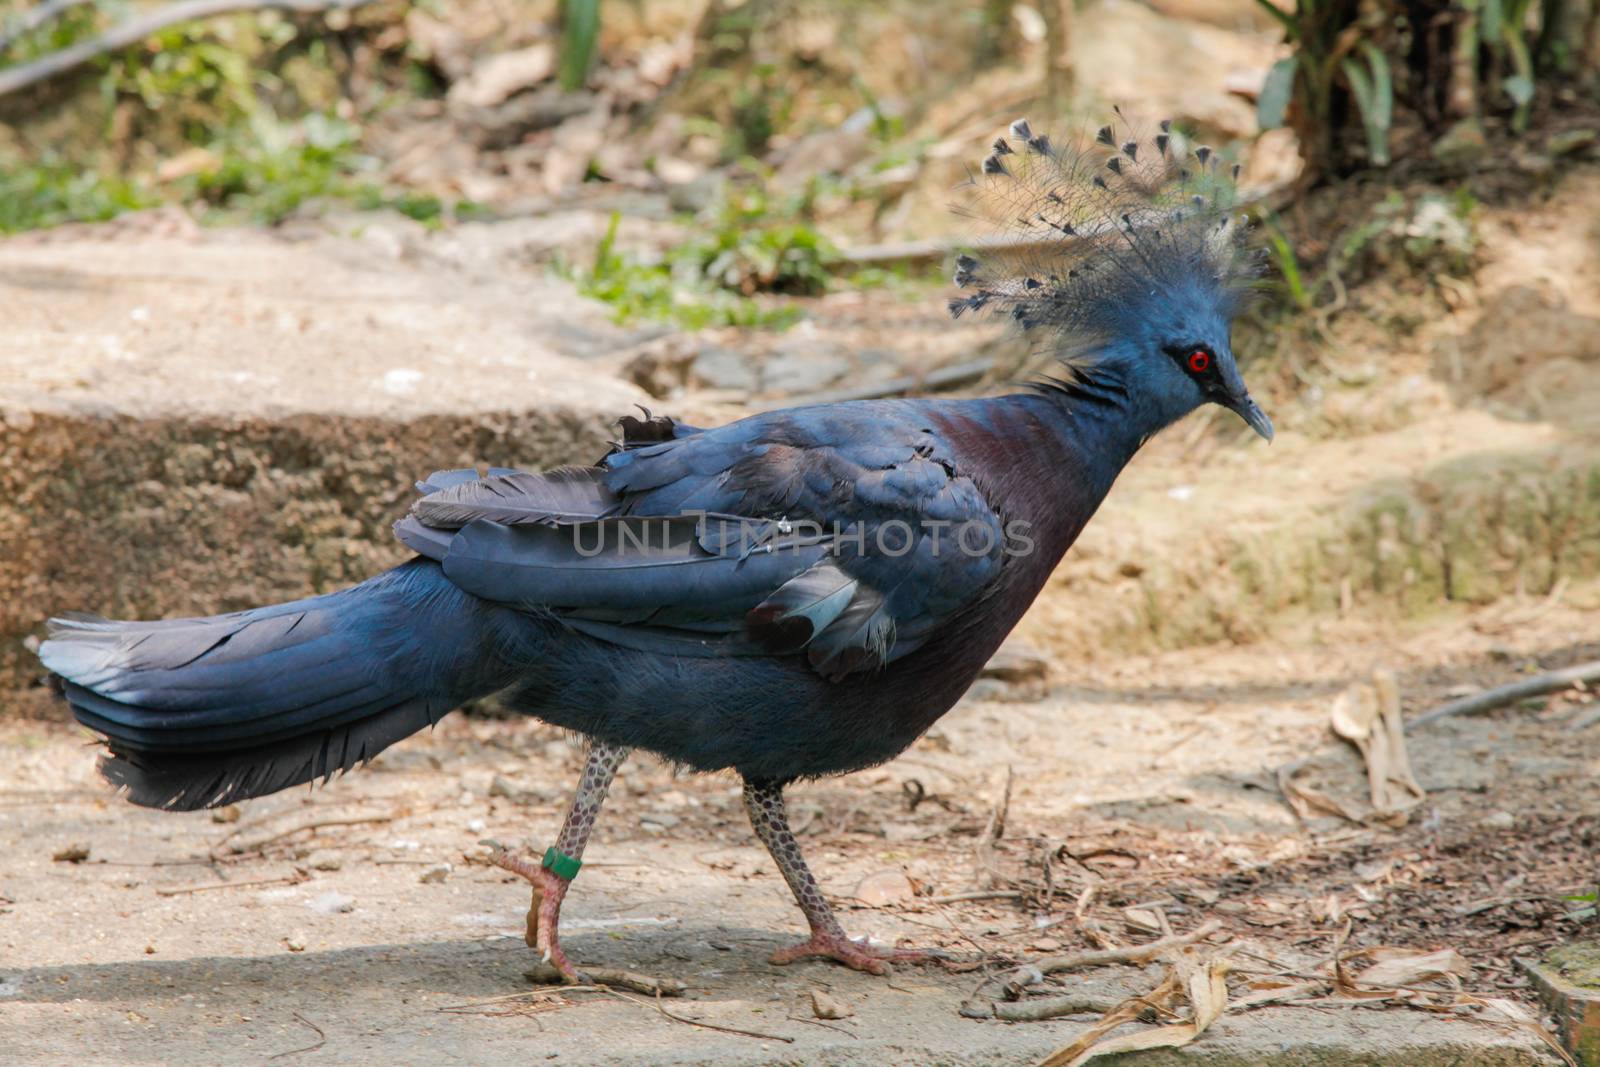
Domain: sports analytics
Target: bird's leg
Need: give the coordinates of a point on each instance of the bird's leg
(764, 801)
(560, 865)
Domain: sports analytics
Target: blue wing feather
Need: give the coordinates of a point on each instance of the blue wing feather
(846, 532)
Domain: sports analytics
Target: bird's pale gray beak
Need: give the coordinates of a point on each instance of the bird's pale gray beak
(1247, 410)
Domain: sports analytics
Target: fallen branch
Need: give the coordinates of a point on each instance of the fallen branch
(982, 894)
(938, 249)
(134, 30)
(1074, 961)
(1499, 697)
(547, 974)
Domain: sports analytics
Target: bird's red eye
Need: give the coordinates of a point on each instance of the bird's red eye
(1199, 360)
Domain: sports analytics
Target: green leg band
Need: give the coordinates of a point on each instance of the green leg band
(560, 864)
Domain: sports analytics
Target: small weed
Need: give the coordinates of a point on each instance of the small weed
(677, 290)
(752, 243)
(277, 167)
(51, 193)
(1288, 264)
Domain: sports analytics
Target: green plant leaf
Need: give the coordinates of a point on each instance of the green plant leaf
(580, 30)
(1493, 19)
(1276, 92)
(1382, 90)
(1291, 23)
(1374, 93)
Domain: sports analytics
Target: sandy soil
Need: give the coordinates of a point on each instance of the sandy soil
(180, 939)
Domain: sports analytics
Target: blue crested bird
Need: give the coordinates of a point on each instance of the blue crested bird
(796, 594)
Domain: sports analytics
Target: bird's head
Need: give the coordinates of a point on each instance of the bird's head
(1126, 261)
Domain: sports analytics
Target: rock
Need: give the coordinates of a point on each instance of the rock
(665, 366)
(324, 861)
(804, 365)
(252, 426)
(824, 1006)
(1498, 820)
(715, 367)
(690, 189)
(333, 904)
(73, 853)
(436, 874)
(884, 887)
(228, 814)
(656, 822)
(295, 942)
(1568, 982)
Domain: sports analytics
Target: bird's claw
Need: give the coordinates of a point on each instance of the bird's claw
(544, 909)
(857, 955)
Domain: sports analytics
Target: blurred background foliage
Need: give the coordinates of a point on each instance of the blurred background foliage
(785, 134)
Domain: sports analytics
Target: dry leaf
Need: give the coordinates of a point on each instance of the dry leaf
(1143, 919)
(1208, 992)
(1126, 1012)
(1277, 992)
(884, 887)
(1306, 801)
(1355, 712)
(1202, 981)
(1367, 716)
(1411, 969)
(825, 1007)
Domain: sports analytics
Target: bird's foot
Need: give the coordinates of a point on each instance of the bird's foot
(544, 910)
(857, 955)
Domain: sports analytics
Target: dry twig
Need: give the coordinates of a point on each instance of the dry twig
(705, 1025)
(1500, 696)
(320, 824)
(547, 974)
(290, 879)
(1074, 961)
(322, 1039)
(983, 853)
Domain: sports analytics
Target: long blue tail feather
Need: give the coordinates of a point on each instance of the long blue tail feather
(202, 712)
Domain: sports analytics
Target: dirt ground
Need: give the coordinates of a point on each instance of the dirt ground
(323, 923)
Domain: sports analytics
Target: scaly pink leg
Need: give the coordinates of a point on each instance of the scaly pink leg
(764, 801)
(550, 888)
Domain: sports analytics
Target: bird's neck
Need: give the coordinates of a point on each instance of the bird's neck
(1066, 445)
(1100, 418)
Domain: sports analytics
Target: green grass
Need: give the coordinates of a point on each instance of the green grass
(676, 290)
(52, 192)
